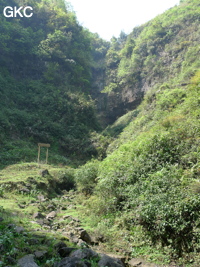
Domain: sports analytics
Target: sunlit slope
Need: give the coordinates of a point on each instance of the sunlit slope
(151, 173)
(165, 49)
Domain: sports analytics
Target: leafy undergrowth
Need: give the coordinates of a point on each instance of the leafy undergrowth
(148, 185)
(21, 187)
(15, 245)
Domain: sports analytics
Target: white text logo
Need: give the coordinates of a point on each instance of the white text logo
(13, 12)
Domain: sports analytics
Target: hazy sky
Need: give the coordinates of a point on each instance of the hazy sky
(109, 17)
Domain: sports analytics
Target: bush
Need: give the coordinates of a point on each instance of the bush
(85, 176)
(66, 180)
(173, 221)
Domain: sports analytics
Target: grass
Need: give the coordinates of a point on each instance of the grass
(16, 208)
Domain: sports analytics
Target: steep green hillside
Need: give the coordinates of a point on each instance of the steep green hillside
(148, 185)
(141, 192)
(45, 74)
(149, 182)
(165, 49)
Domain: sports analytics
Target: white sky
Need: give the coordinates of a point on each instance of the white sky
(109, 17)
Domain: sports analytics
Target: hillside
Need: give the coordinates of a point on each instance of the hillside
(45, 73)
(164, 50)
(127, 112)
(147, 187)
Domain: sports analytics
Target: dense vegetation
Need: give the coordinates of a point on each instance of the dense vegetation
(165, 49)
(45, 83)
(144, 179)
(149, 181)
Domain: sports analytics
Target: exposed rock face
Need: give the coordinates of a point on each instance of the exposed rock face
(115, 104)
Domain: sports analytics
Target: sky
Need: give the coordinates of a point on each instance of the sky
(109, 17)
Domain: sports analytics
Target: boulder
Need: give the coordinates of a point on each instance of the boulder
(41, 198)
(82, 234)
(27, 261)
(60, 245)
(71, 262)
(43, 173)
(40, 254)
(38, 215)
(109, 262)
(22, 206)
(72, 237)
(65, 251)
(85, 253)
(51, 215)
(135, 262)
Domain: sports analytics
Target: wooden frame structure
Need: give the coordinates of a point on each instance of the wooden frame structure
(47, 152)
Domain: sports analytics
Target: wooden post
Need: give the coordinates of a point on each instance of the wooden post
(47, 152)
(38, 154)
(47, 156)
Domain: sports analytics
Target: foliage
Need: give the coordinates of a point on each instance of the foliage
(45, 84)
(164, 49)
(85, 176)
(150, 166)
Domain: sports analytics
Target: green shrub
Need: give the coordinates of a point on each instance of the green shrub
(85, 176)
(173, 220)
(66, 179)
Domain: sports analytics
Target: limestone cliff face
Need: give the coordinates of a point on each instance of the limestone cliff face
(163, 51)
(112, 105)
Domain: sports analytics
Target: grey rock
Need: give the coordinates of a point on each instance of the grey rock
(82, 244)
(110, 262)
(43, 173)
(60, 245)
(85, 236)
(135, 262)
(21, 206)
(38, 215)
(74, 239)
(85, 253)
(41, 198)
(67, 217)
(40, 254)
(19, 229)
(65, 251)
(50, 207)
(25, 190)
(70, 262)
(51, 215)
(27, 261)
